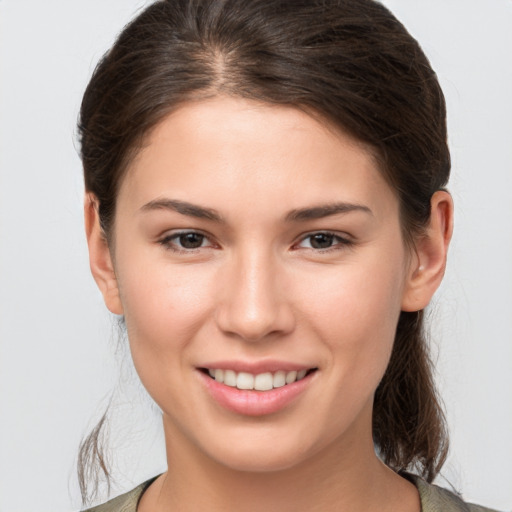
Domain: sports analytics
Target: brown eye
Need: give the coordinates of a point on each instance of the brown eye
(321, 240)
(190, 240)
(324, 241)
(185, 241)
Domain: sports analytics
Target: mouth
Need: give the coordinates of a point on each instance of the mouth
(266, 381)
(257, 389)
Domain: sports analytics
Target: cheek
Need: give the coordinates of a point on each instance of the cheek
(353, 297)
(355, 310)
(164, 307)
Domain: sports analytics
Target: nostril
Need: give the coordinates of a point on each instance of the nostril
(254, 315)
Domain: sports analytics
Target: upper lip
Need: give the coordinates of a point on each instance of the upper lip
(256, 367)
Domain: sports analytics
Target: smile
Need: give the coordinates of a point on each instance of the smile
(254, 391)
(260, 382)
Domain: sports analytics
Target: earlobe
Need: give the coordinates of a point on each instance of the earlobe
(429, 261)
(100, 258)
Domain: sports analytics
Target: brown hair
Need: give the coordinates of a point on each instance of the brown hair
(350, 62)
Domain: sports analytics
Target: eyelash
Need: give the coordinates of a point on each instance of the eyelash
(339, 242)
(169, 242)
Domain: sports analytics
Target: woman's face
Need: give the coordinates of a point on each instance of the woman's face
(252, 242)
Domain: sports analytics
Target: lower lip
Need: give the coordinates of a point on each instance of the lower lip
(255, 403)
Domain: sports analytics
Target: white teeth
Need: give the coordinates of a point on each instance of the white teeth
(245, 381)
(291, 377)
(230, 378)
(279, 379)
(261, 382)
(301, 374)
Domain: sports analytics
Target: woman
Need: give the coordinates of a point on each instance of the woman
(266, 208)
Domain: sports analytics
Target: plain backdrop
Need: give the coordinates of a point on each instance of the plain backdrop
(58, 355)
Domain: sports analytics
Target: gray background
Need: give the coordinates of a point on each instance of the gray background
(58, 358)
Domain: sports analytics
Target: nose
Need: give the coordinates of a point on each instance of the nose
(253, 304)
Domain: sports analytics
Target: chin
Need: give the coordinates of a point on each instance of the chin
(259, 455)
(267, 461)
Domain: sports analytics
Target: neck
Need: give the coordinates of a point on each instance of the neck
(344, 476)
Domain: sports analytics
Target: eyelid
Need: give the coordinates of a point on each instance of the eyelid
(166, 240)
(344, 240)
(341, 240)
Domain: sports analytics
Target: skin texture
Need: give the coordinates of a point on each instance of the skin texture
(257, 289)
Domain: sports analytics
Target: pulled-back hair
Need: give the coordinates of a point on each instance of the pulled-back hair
(349, 62)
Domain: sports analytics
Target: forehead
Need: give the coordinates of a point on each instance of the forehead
(227, 152)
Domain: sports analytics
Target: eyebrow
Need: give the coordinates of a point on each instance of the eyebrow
(319, 212)
(184, 208)
(302, 214)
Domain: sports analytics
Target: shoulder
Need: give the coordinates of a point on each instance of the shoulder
(437, 499)
(126, 502)
(433, 499)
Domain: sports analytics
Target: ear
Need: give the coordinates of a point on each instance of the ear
(100, 258)
(428, 262)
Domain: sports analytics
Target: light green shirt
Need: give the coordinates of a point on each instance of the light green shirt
(432, 497)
